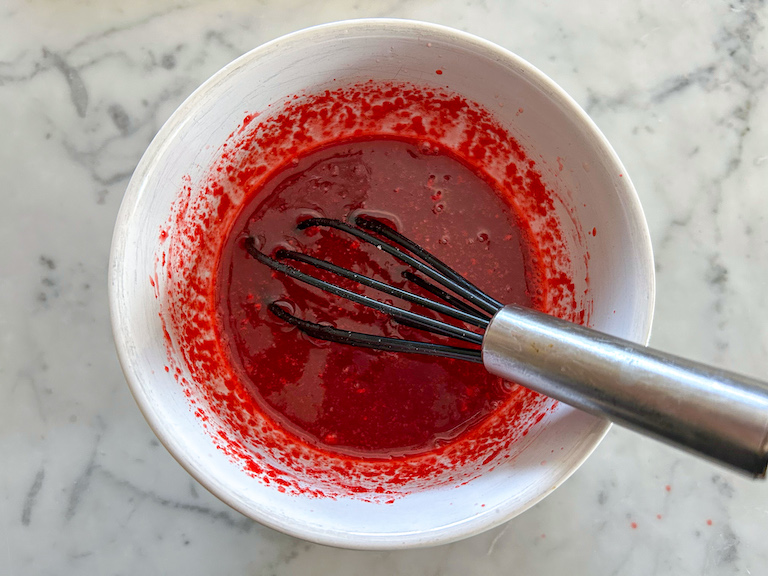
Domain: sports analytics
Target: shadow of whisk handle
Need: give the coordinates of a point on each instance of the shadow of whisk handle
(712, 413)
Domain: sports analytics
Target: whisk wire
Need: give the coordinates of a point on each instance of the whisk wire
(376, 342)
(445, 296)
(472, 294)
(382, 229)
(283, 254)
(425, 323)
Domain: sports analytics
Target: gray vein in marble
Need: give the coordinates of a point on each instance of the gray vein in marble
(89, 159)
(701, 77)
(674, 225)
(47, 262)
(50, 288)
(120, 118)
(737, 41)
(14, 61)
(285, 557)
(241, 524)
(103, 57)
(728, 550)
(221, 38)
(79, 95)
(215, 37)
(25, 378)
(31, 498)
(93, 469)
(77, 90)
(10, 77)
(80, 487)
(168, 61)
(60, 60)
(105, 34)
(27, 375)
(724, 487)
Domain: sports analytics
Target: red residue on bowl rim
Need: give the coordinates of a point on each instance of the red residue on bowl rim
(202, 214)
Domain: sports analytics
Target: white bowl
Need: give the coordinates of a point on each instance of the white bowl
(592, 191)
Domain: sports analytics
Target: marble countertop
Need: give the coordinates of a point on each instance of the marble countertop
(679, 88)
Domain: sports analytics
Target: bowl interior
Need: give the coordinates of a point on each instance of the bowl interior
(598, 210)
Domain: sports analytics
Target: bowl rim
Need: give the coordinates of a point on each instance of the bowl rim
(164, 137)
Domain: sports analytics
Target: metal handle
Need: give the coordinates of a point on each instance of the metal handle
(712, 413)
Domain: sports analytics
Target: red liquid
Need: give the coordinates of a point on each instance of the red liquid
(351, 400)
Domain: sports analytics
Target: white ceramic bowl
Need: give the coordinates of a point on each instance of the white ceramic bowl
(593, 192)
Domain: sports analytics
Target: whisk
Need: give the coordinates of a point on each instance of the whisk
(713, 413)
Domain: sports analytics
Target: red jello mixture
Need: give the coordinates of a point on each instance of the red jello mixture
(326, 420)
(340, 398)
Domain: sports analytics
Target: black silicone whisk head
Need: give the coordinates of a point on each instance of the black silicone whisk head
(454, 296)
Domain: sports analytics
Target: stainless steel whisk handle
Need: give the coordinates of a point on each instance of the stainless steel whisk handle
(709, 412)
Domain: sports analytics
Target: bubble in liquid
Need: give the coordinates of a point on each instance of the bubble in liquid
(259, 240)
(508, 386)
(286, 305)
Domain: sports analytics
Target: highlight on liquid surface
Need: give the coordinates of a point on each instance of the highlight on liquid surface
(349, 400)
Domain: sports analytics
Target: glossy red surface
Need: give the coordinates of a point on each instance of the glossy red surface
(353, 400)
